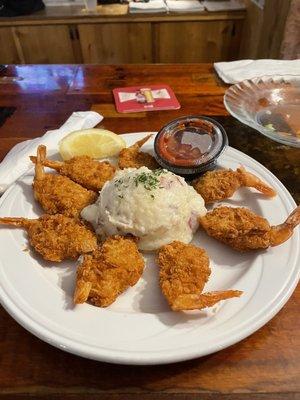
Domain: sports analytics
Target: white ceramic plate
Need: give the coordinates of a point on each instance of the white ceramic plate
(139, 327)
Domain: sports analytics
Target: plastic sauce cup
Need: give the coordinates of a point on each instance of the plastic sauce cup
(191, 145)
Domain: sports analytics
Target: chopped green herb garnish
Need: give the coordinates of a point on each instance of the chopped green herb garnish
(149, 180)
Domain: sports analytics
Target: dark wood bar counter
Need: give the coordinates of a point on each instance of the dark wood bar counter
(265, 365)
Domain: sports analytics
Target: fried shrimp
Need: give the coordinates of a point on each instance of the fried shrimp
(89, 173)
(58, 194)
(243, 230)
(221, 184)
(108, 271)
(56, 237)
(132, 157)
(184, 271)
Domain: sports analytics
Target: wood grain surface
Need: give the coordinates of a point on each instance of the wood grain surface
(108, 43)
(266, 365)
(264, 29)
(196, 41)
(111, 39)
(44, 44)
(76, 14)
(68, 34)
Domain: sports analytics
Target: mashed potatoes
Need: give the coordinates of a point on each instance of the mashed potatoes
(156, 206)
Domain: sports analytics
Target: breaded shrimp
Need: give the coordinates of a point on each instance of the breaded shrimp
(58, 194)
(243, 230)
(184, 270)
(132, 157)
(56, 237)
(221, 184)
(89, 173)
(108, 271)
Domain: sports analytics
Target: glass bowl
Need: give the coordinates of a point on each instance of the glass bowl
(269, 104)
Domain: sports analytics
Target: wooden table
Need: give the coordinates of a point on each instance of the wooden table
(264, 366)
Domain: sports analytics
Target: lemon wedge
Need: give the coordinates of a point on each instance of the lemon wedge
(96, 143)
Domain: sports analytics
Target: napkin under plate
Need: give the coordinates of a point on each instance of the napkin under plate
(16, 163)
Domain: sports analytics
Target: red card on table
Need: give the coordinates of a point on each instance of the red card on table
(145, 98)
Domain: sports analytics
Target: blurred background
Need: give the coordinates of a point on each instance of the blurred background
(152, 31)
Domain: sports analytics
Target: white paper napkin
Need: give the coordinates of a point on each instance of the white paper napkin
(224, 5)
(184, 5)
(151, 6)
(238, 71)
(16, 163)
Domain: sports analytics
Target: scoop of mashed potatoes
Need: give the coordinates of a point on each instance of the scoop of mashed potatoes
(156, 206)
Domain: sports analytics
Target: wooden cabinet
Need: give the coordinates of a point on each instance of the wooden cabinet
(203, 37)
(114, 43)
(8, 50)
(189, 42)
(48, 44)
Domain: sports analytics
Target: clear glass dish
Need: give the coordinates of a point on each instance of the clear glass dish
(269, 104)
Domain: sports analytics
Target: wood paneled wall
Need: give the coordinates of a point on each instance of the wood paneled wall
(110, 43)
(264, 29)
(129, 39)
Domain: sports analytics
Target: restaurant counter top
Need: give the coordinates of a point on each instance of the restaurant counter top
(266, 365)
(78, 14)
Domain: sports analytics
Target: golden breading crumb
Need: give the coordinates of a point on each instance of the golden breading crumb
(108, 271)
(221, 184)
(56, 237)
(57, 194)
(132, 157)
(243, 230)
(239, 227)
(184, 270)
(87, 172)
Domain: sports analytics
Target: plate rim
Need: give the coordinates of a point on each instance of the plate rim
(129, 358)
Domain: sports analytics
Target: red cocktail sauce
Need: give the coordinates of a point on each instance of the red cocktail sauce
(185, 146)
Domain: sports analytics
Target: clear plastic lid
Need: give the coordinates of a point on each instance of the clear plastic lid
(190, 143)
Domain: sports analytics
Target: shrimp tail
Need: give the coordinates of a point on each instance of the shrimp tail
(15, 221)
(294, 218)
(82, 291)
(48, 163)
(39, 169)
(141, 142)
(197, 302)
(281, 233)
(250, 180)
